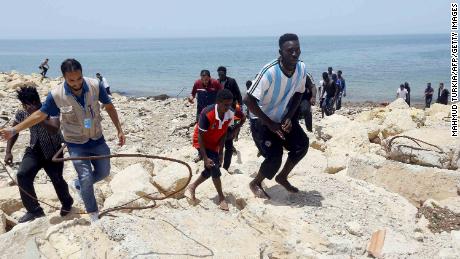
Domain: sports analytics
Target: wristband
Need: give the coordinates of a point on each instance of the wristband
(13, 132)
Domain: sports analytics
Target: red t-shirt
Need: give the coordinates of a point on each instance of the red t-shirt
(213, 86)
(214, 128)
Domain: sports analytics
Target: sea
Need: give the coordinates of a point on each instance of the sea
(373, 66)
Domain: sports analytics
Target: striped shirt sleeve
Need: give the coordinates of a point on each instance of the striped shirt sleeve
(301, 86)
(260, 86)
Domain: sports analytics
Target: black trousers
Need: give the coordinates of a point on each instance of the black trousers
(32, 162)
(271, 146)
(428, 101)
(228, 149)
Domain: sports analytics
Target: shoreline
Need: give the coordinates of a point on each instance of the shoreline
(416, 102)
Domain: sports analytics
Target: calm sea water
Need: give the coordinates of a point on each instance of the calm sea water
(373, 66)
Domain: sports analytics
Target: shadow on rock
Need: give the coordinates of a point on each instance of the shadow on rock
(280, 197)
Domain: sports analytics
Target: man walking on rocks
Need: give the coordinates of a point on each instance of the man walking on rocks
(44, 68)
(428, 95)
(209, 138)
(205, 90)
(274, 98)
(308, 100)
(77, 102)
(45, 141)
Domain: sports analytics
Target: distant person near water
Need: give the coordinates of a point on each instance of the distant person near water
(230, 84)
(45, 141)
(407, 87)
(428, 95)
(342, 90)
(330, 72)
(44, 67)
(209, 138)
(205, 90)
(443, 94)
(274, 98)
(77, 102)
(331, 90)
(401, 92)
(308, 100)
(103, 82)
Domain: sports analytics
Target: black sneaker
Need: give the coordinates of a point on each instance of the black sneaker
(29, 216)
(65, 209)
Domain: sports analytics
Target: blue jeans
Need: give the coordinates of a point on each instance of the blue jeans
(86, 175)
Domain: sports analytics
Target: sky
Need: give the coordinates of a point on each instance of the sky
(54, 19)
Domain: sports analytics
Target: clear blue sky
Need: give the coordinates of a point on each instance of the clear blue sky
(43, 19)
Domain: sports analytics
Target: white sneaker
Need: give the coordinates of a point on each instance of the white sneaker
(94, 217)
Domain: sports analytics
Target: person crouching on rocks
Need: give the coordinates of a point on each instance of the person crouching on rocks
(209, 138)
(45, 141)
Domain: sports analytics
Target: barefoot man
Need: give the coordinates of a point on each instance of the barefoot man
(209, 138)
(274, 97)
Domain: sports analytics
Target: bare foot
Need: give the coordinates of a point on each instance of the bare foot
(258, 191)
(191, 190)
(286, 184)
(223, 205)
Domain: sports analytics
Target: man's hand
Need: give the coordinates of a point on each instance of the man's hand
(190, 99)
(7, 133)
(276, 128)
(312, 101)
(344, 94)
(121, 138)
(208, 163)
(8, 158)
(287, 125)
(221, 158)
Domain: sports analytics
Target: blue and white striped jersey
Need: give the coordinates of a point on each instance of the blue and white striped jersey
(273, 89)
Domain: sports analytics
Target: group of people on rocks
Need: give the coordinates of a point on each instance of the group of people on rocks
(404, 91)
(332, 88)
(280, 95)
(276, 99)
(75, 106)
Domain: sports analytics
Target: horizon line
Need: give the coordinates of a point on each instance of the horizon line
(224, 37)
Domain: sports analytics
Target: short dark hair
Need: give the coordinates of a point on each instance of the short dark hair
(287, 37)
(224, 94)
(205, 72)
(28, 95)
(70, 65)
(222, 68)
(248, 84)
(401, 86)
(339, 72)
(98, 74)
(325, 75)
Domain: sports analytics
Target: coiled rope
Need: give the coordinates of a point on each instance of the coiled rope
(120, 207)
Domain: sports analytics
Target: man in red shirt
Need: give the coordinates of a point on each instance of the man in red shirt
(205, 90)
(209, 138)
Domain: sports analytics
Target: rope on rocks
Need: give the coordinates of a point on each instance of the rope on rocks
(412, 148)
(416, 141)
(125, 205)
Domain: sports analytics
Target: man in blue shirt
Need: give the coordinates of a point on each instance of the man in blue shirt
(428, 95)
(77, 102)
(342, 90)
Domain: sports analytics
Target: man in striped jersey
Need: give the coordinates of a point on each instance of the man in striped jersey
(274, 98)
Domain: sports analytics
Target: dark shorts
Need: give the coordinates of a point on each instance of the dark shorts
(214, 172)
(271, 146)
